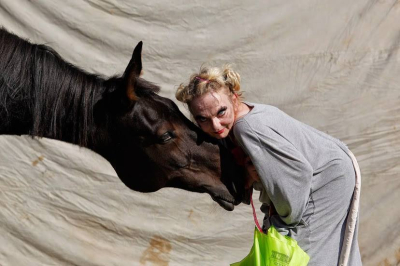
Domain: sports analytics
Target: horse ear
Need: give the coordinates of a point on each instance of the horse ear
(132, 71)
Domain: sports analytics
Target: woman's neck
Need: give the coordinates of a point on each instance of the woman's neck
(242, 110)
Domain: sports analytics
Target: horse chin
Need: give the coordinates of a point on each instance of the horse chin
(229, 206)
(222, 196)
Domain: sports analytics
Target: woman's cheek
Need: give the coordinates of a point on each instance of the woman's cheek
(228, 122)
(207, 128)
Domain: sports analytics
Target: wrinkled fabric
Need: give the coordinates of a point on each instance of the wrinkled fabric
(331, 64)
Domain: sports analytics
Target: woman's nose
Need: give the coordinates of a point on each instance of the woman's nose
(216, 124)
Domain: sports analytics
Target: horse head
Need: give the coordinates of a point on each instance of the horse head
(152, 145)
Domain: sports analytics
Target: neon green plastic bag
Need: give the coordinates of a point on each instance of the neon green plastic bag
(274, 249)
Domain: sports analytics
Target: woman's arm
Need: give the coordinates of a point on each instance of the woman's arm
(283, 170)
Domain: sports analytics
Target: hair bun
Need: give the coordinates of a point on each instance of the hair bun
(209, 79)
(232, 78)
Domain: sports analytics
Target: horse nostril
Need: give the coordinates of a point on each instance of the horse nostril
(192, 166)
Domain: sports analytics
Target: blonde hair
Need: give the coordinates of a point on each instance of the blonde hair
(209, 79)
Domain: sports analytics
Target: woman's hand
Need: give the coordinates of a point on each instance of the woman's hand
(251, 173)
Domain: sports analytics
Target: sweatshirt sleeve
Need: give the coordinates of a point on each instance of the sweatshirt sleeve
(283, 170)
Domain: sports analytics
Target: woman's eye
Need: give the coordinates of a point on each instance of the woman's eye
(221, 112)
(201, 119)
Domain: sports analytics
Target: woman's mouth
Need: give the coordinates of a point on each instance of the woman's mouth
(220, 132)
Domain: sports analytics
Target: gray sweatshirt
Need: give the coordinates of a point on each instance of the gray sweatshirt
(307, 175)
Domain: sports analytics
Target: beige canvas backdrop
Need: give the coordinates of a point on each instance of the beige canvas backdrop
(331, 64)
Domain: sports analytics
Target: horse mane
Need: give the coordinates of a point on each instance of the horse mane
(51, 97)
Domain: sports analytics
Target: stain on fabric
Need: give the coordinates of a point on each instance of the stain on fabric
(391, 261)
(191, 218)
(385, 263)
(48, 174)
(398, 256)
(39, 159)
(157, 253)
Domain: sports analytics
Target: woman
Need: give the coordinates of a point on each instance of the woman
(307, 175)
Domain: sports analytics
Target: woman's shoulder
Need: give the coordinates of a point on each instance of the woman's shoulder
(257, 116)
(264, 118)
(262, 107)
(259, 112)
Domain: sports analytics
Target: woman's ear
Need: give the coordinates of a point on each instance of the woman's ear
(235, 101)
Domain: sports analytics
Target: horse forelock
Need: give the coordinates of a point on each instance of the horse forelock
(144, 88)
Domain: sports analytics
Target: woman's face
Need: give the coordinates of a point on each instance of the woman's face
(215, 112)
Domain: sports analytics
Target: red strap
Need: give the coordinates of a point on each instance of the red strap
(254, 214)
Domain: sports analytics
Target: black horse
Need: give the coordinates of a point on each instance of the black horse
(144, 136)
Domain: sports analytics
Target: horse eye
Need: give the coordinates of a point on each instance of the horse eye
(167, 136)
